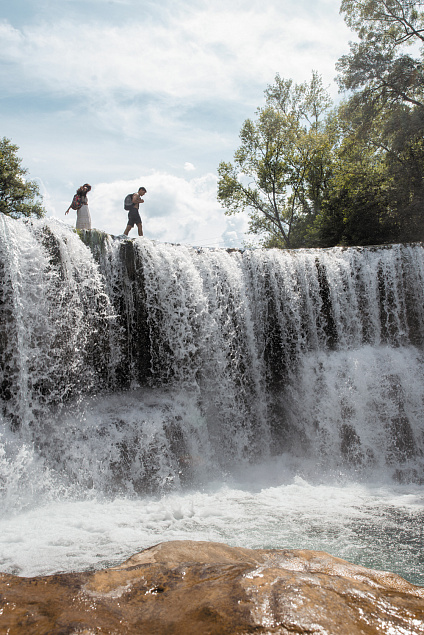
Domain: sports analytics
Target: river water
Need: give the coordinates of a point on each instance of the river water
(155, 392)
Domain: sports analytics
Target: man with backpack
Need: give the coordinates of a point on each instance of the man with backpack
(132, 203)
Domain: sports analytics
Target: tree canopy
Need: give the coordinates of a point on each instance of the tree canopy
(18, 196)
(385, 113)
(280, 170)
(379, 64)
(310, 174)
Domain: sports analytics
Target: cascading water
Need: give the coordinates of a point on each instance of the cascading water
(264, 398)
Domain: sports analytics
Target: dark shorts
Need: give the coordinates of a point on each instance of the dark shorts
(133, 217)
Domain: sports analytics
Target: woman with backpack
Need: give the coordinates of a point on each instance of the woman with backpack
(80, 204)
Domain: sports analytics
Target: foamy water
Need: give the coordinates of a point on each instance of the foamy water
(377, 526)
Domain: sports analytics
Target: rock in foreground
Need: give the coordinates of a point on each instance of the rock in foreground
(206, 588)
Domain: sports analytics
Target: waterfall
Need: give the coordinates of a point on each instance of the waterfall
(130, 366)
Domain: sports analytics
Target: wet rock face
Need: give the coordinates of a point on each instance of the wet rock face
(205, 588)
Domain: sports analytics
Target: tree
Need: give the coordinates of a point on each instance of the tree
(378, 65)
(18, 197)
(385, 113)
(357, 208)
(381, 74)
(404, 133)
(281, 168)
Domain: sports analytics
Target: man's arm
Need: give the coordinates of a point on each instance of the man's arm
(137, 199)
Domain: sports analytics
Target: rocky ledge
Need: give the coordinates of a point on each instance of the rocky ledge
(206, 588)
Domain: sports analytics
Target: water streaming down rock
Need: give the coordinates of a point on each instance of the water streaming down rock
(133, 366)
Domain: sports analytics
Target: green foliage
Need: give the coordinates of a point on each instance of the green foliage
(308, 176)
(395, 21)
(378, 64)
(280, 170)
(18, 197)
(376, 194)
(385, 115)
(405, 171)
(357, 210)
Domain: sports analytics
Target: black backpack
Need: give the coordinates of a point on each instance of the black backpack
(128, 202)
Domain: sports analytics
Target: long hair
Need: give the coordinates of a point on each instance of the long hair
(80, 191)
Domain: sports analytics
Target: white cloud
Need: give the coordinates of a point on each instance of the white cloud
(189, 167)
(200, 54)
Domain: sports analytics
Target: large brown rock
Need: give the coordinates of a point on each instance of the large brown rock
(206, 588)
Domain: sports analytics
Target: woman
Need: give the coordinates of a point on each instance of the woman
(80, 203)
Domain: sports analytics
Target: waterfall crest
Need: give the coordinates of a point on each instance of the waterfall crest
(129, 366)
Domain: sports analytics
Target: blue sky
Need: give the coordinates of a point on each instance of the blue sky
(123, 93)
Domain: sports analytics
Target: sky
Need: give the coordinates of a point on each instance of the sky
(130, 93)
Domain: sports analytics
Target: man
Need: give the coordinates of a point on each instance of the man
(133, 213)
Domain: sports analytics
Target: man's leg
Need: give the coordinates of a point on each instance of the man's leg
(127, 230)
(140, 229)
